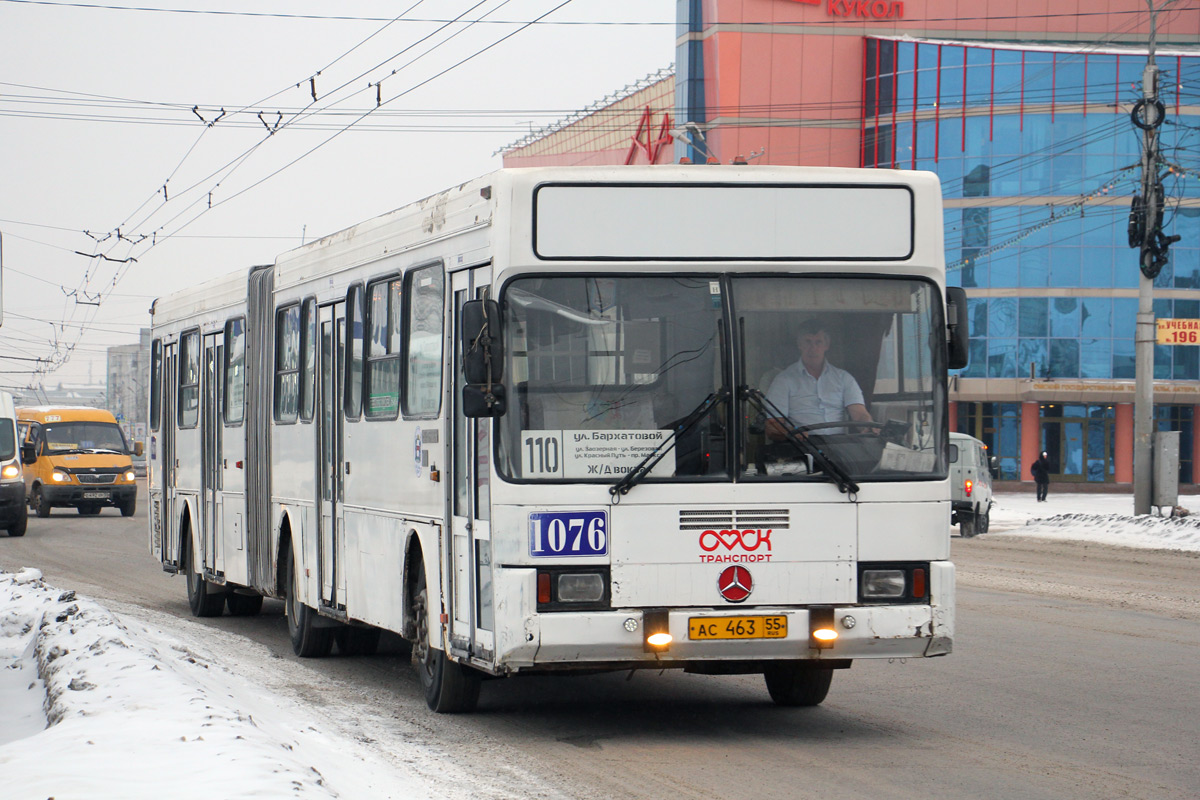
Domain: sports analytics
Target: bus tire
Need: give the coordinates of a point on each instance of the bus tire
(18, 527)
(354, 641)
(243, 605)
(791, 684)
(39, 503)
(450, 688)
(202, 600)
(308, 641)
(967, 526)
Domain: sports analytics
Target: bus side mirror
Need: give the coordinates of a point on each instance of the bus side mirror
(138, 448)
(483, 349)
(477, 401)
(958, 343)
(482, 359)
(28, 453)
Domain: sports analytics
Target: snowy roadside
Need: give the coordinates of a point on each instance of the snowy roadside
(95, 706)
(1101, 518)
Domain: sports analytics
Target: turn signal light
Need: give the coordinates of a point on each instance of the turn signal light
(825, 634)
(659, 639)
(967, 485)
(918, 583)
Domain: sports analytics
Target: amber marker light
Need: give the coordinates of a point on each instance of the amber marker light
(657, 625)
(825, 634)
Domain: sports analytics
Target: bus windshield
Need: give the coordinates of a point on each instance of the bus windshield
(604, 369)
(73, 437)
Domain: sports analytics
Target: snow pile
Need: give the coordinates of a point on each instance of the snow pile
(1101, 518)
(1163, 533)
(104, 708)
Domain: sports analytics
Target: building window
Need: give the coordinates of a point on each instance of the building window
(998, 425)
(1179, 418)
(189, 379)
(423, 341)
(287, 363)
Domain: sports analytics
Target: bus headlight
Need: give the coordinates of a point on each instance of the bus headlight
(11, 471)
(878, 584)
(60, 477)
(581, 587)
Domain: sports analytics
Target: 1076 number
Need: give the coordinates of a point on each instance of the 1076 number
(568, 533)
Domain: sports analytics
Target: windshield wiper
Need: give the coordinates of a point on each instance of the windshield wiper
(631, 478)
(822, 459)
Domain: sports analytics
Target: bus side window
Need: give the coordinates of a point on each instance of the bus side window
(189, 379)
(424, 303)
(355, 334)
(155, 383)
(287, 363)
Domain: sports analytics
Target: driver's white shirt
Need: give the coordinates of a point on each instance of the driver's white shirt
(807, 400)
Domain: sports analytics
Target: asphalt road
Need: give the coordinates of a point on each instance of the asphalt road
(1073, 676)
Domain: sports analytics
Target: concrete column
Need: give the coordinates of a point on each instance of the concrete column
(953, 416)
(1031, 437)
(1123, 469)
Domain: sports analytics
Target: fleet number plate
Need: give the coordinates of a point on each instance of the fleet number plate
(737, 627)
(95, 495)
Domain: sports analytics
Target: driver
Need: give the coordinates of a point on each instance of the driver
(812, 390)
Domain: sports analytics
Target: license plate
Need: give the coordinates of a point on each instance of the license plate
(737, 627)
(95, 495)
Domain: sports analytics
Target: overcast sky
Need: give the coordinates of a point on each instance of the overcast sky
(96, 117)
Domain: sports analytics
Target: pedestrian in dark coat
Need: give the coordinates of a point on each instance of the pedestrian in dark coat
(1041, 476)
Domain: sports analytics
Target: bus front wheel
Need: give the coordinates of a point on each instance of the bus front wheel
(450, 687)
(202, 600)
(797, 684)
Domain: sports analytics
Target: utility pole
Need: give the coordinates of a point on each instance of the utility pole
(1145, 233)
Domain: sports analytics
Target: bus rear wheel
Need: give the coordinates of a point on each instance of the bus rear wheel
(308, 640)
(797, 684)
(450, 688)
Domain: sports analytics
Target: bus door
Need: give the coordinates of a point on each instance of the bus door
(468, 572)
(331, 463)
(211, 445)
(170, 514)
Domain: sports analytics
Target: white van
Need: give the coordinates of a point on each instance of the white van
(970, 485)
(13, 511)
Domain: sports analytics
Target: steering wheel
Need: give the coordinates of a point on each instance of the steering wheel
(800, 430)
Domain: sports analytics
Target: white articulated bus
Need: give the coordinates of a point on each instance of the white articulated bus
(571, 419)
